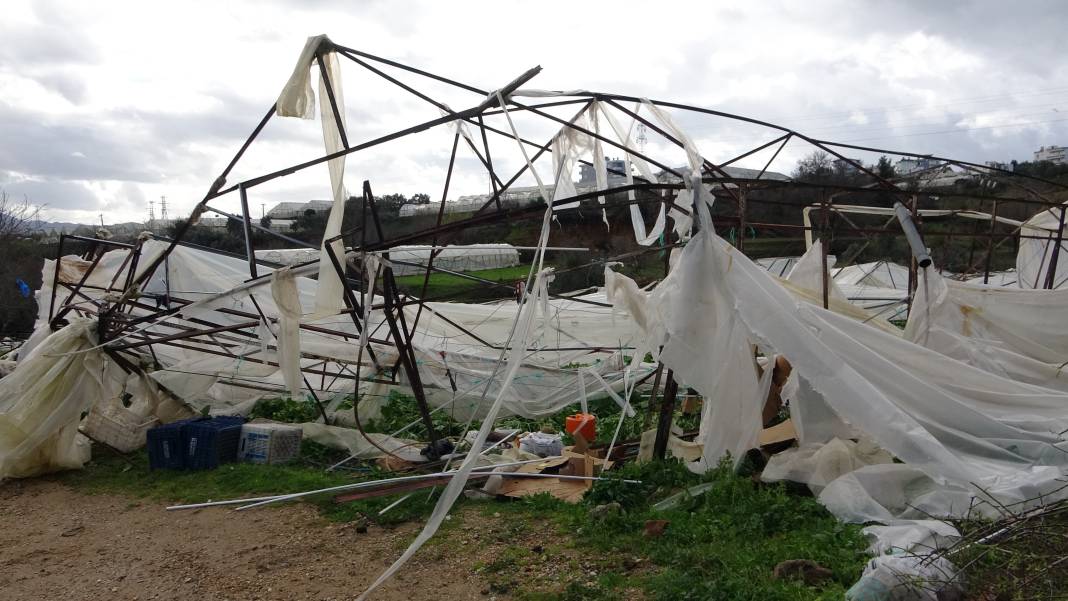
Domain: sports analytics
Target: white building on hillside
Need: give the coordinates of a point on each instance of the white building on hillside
(909, 166)
(1054, 154)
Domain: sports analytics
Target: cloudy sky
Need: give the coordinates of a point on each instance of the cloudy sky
(105, 106)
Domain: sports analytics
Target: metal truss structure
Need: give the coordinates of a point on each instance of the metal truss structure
(123, 313)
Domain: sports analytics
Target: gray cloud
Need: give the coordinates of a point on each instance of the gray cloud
(755, 62)
(63, 82)
(35, 146)
(51, 194)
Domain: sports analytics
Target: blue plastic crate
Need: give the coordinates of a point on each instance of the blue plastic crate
(166, 449)
(209, 443)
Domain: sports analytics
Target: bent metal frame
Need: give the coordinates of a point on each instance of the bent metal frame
(122, 311)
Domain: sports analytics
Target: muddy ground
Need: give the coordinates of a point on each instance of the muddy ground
(58, 543)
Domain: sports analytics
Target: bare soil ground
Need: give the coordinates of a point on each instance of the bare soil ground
(57, 543)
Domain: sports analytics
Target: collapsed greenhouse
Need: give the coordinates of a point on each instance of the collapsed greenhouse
(963, 411)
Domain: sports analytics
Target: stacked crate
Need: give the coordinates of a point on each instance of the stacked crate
(195, 444)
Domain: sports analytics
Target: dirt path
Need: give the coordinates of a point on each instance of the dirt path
(57, 543)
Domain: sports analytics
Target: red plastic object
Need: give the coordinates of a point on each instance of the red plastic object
(582, 423)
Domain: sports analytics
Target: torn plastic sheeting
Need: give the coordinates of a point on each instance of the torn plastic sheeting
(817, 465)
(1011, 332)
(707, 348)
(360, 446)
(518, 340)
(41, 402)
(203, 378)
(329, 298)
(683, 450)
(452, 491)
(906, 576)
(297, 98)
(1034, 257)
(808, 273)
(641, 235)
(566, 147)
(284, 293)
(909, 399)
(963, 433)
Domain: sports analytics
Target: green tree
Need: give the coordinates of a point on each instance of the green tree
(884, 168)
(234, 227)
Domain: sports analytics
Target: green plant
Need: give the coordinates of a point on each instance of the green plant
(285, 410)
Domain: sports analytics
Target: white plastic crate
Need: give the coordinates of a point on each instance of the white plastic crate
(120, 429)
(269, 443)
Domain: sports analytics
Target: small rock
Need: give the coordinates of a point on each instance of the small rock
(601, 512)
(806, 570)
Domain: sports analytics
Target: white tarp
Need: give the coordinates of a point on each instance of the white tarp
(1021, 334)
(1035, 255)
(42, 401)
(454, 365)
(962, 433)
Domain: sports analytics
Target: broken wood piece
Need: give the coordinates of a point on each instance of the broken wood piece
(782, 432)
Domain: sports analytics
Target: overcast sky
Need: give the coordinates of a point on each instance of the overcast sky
(107, 105)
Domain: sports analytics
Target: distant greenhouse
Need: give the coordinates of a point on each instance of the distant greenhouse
(412, 259)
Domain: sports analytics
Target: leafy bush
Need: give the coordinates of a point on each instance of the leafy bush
(285, 410)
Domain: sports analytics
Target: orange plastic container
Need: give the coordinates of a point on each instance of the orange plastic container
(582, 423)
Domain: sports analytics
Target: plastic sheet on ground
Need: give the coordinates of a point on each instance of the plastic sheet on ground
(358, 445)
(819, 464)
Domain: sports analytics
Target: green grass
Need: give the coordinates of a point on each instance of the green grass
(446, 285)
(402, 410)
(723, 544)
